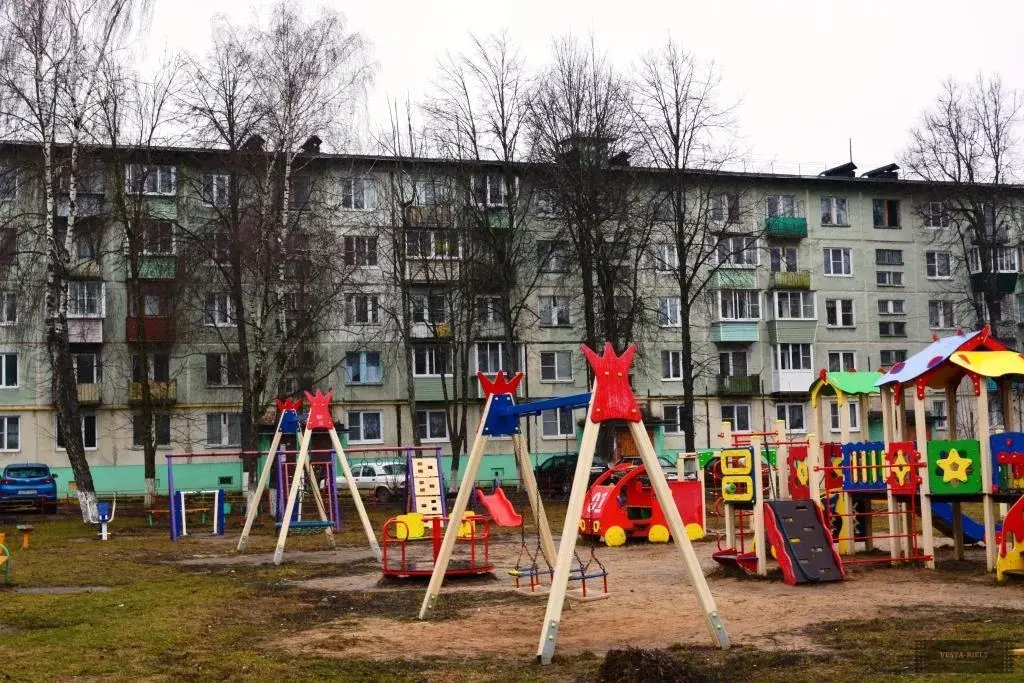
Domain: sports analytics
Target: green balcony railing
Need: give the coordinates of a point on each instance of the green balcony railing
(800, 279)
(739, 385)
(788, 227)
(1003, 283)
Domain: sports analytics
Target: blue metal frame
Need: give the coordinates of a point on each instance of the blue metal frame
(503, 415)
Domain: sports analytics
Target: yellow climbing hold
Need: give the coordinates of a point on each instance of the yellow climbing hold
(954, 467)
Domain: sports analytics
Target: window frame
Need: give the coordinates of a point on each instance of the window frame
(430, 363)
(665, 311)
(83, 416)
(735, 416)
(671, 360)
(219, 192)
(362, 426)
(556, 379)
(939, 321)
(5, 433)
(426, 412)
(787, 414)
(156, 430)
(840, 314)
(132, 171)
(886, 211)
(352, 308)
(846, 259)
(74, 299)
(561, 416)
(218, 315)
(788, 295)
(4, 367)
(890, 276)
(841, 357)
(557, 303)
(833, 416)
(931, 264)
(676, 423)
(8, 308)
(363, 359)
(892, 326)
(224, 418)
(778, 356)
(366, 257)
(752, 303)
(367, 193)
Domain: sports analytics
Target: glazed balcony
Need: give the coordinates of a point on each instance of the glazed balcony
(792, 381)
(727, 331)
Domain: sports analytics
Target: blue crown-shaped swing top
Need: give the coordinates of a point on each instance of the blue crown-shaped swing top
(503, 416)
(290, 423)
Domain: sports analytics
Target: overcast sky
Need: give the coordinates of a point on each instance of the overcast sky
(809, 75)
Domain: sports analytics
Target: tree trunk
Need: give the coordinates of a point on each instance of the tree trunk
(689, 400)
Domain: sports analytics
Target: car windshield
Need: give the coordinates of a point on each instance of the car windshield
(394, 469)
(27, 472)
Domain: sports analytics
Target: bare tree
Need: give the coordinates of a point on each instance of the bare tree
(53, 51)
(686, 130)
(968, 140)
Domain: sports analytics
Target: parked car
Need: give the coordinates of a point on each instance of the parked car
(29, 484)
(667, 465)
(382, 480)
(555, 474)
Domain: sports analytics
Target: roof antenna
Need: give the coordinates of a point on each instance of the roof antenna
(851, 149)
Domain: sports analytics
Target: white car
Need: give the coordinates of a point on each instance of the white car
(382, 480)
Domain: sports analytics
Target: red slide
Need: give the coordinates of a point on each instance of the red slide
(499, 507)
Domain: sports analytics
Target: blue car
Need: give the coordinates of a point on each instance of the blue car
(29, 484)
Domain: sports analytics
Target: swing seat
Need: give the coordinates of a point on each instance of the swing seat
(306, 527)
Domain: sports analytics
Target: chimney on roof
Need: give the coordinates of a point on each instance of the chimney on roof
(844, 171)
(887, 172)
(255, 143)
(312, 145)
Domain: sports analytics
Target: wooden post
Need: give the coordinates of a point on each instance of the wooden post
(986, 475)
(455, 515)
(760, 542)
(890, 499)
(293, 493)
(847, 547)
(782, 459)
(254, 501)
(1006, 393)
(927, 533)
(547, 543)
(724, 437)
(952, 423)
(356, 498)
(878, 460)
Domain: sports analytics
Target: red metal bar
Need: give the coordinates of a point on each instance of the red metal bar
(880, 560)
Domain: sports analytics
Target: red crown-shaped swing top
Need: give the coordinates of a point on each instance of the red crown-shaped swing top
(284, 404)
(500, 384)
(613, 397)
(319, 410)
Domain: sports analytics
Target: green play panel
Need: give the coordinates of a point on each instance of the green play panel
(954, 467)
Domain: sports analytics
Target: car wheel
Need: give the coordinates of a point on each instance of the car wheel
(382, 494)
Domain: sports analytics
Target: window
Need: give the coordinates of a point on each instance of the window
(360, 250)
(85, 299)
(8, 308)
(940, 315)
(673, 419)
(159, 368)
(432, 244)
(8, 370)
(886, 212)
(489, 310)
(793, 415)
(732, 363)
(161, 430)
(669, 314)
(553, 256)
(557, 424)
(8, 246)
(10, 433)
(666, 257)
(739, 304)
(361, 309)
(223, 369)
(889, 257)
(890, 307)
(935, 215)
(738, 417)
(223, 429)
(86, 245)
(554, 311)
(490, 190)
(432, 425)
(357, 194)
(938, 264)
(841, 361)
(794, 357)
(939, 415)
(725, 208)
(556, 366)
(490, 357)
(779, 205)
(89, 432)
(363, 367)
(1003, 260)
(428, 308)
(837, 261)
(157, 237)
(220, 310)
(783, 259)
(892, 329)
(429, 192)
(8, 183)
(215, 189)
(833, 211)
(839, 313)
(833, 416)
(889, 357)
(671, 365)
(889, 278)
(86, 367)
(737, 252)
(151, 179)
(364, 426)
(431, 361)
(795, 306)
(623, 305)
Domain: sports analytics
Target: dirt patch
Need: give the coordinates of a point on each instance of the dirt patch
(61, 590)
(340, 555)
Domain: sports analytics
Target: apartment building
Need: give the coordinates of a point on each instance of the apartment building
(836, 271)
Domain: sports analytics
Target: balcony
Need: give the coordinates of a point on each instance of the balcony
(792, 381)
(427, 216)
(433, 388)
(86, 204)
(159, 392)
(734, 331)
(740, 385)
(432, 270)
(430, 331)
(88, 394)
(1003, 283)
(85, 330)
(86, 269)
(792, 331)
(734, 278)
(150, 329)
(786, 227)
(799, 279)
(153, 267)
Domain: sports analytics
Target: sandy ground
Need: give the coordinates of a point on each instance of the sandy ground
(650, 603)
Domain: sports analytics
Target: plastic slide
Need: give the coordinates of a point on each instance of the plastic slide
(499, 507)
(942, 519)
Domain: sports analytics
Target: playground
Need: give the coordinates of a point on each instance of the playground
(769, 556)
